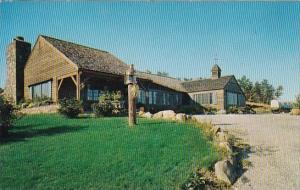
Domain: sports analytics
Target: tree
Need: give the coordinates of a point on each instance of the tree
(7, 116)
(257, 92)
(148, 71)
(1, 90)
(187, 79)
(164, 74)
(267, 91)
(260, 92)
(279, 91)
(247, 87)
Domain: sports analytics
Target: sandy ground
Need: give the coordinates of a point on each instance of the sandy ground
(275, 149)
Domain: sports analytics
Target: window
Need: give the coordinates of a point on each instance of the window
(161, 97)
(206, 98)
(93, 95)
(42, 90)
(142, 97)
(232, 98)
(241, 100)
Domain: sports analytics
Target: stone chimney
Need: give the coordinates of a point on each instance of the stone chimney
(17, 54)
(215, 72)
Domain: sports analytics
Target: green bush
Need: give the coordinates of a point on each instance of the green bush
(70, 107)
(109, 104)
(7, 115)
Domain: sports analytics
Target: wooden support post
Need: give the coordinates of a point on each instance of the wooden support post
(78, 86)
(55, 90)
(131, 106)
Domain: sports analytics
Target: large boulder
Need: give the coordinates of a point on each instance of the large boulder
(169, 114)
(158, 115)
(224, 171)
(181, 117)
(141, 113)
(147, 115)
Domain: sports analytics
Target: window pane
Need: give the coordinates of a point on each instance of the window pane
(46, 90)
(31, 92)
(95, 95)
(154, 97)
(150, 97)
(37, 91)
(90, 94)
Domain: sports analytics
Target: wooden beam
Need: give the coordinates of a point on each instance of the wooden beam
(67, 75)
(59, 85)
(75, 82)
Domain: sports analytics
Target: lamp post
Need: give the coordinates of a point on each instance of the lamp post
(130, 80)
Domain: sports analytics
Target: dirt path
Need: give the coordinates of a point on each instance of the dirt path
(275, 149)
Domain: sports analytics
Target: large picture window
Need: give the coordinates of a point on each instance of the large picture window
(232, 98)
(42, 90)
(161, 97)
(205, 98)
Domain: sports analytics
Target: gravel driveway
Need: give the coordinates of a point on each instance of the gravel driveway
(275, 148)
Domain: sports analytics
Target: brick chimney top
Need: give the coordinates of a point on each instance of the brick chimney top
(20, 38)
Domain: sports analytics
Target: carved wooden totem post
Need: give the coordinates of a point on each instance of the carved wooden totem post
(132, 93)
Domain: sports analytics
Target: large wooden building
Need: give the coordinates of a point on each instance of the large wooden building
(59, 69)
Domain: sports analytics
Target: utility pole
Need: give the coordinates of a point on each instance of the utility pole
(131, 82)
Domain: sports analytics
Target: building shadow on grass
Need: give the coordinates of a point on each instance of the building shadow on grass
(23, 135)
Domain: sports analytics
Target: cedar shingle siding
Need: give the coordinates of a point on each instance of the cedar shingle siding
(80, 67)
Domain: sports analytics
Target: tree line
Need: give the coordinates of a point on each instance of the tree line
(259, 91)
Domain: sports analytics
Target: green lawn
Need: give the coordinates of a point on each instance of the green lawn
(49, 151)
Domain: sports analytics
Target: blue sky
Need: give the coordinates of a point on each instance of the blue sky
(260, 40)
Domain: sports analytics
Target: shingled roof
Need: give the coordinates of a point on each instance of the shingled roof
(206, 84)
(168, 82)
(97, 60)
(89, 58)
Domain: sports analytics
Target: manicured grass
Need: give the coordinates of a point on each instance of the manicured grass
(52, 152)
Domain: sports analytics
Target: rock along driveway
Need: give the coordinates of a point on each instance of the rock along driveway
(275, 149)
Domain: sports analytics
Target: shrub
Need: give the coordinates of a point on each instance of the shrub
(70, 107)
(232, 109)
(210, 110)
(297, 103)
(7, 115)
(109, 104)
(44, 101)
